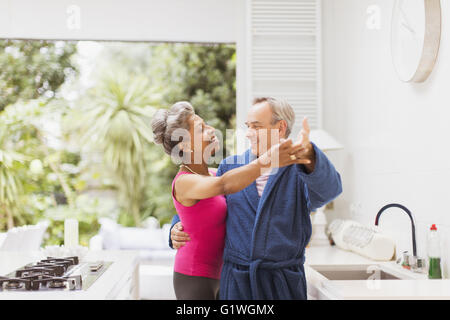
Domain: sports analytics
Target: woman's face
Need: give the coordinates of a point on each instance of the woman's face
(203, 140)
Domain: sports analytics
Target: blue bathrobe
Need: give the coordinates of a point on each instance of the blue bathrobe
(266, 236)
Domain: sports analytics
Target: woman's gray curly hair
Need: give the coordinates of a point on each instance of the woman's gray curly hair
(165, 122)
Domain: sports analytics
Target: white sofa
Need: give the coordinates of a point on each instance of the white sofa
(24, 238)
(156, 257)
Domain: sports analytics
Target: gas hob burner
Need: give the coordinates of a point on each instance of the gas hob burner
(50, 266)
(12, 284)
(54, 274)
(15, 283)
(67, 260)
(56, 284)
(69, 282)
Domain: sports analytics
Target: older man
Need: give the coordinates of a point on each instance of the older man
(268, 223)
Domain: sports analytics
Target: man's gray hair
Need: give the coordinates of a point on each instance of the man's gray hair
(281, 110)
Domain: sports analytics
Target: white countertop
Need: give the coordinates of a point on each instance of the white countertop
(107, 286)
(419, 287)
(126, 262)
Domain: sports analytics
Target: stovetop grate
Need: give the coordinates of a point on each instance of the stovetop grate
(54, 274)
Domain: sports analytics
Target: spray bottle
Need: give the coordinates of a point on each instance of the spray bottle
(434, 255)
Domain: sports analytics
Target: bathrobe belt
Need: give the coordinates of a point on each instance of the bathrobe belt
(237, 258)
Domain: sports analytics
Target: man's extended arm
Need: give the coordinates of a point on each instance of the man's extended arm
(323, 183)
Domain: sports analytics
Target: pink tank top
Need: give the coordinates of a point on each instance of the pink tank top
(205, 224)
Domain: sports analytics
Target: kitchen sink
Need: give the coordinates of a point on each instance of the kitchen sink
(358, 272)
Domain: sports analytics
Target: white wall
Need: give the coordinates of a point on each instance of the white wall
(134, 20)
(396, 135)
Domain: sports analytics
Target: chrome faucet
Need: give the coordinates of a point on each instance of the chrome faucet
(417, 264)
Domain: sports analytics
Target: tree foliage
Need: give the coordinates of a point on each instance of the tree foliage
(204, 75)
(201, 74)
(32, 69)
(112, 118)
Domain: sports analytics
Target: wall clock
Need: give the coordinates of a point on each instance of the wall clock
(415, 38)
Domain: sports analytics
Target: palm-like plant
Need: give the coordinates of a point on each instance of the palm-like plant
(115, 120)
(10, 185)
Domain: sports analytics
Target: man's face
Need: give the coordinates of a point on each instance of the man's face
(260, 130)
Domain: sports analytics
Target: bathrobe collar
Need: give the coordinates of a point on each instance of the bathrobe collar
(251, 192)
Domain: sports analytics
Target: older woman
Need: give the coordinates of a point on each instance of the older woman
(198, 195)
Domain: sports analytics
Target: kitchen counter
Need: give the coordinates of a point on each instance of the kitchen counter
(120, 280)
(417, 286)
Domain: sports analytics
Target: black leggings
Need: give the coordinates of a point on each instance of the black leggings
(195, 288)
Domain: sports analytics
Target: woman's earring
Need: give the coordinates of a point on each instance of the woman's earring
(186, 154)
(181, 154)
(186, 148)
